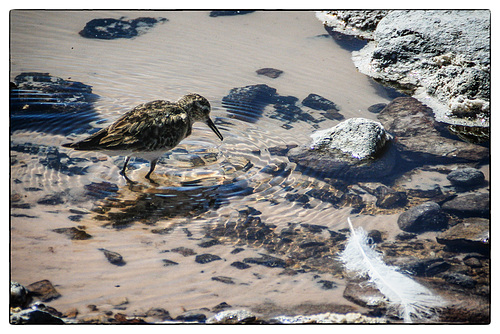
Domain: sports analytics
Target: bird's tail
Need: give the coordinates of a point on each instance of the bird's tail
(89, 143)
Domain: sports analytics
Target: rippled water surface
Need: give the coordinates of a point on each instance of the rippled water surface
(210, 197)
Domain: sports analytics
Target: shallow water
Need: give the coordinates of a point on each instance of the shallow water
(201, 185)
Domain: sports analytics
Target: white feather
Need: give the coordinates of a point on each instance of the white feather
(409, 299)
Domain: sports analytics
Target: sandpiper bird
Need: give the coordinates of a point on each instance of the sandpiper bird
(149, 130)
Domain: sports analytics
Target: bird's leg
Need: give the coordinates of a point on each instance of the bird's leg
(122, 172)
(151, 168)
(125, 167)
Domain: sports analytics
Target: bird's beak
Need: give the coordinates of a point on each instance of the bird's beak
(212, 126)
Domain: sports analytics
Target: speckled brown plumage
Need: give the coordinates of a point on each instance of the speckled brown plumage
(150, 129)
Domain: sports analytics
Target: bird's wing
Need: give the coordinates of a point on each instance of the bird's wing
(147, 127)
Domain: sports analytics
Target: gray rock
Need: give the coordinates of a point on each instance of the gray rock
(232, 317)
(417, 138)
(472, 235)
(18, 295)
(469, 205)
(328, 318)
(357, 148)
(360, 23)
(442, 57)
(30, 316)
(421, 218)
(360, 138)
(466, 177)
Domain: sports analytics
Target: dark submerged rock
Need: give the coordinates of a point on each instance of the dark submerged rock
(52, 158)
(101, 190)
(375, 235)
(403, 236)
(51, 199)
(110, 28)
(208, 242)
(425, 267)
(327, 285)
(169, 263)
(247, 103)
(471, 235)
(42, 102)
(318, 102)
(267, 261)
(184, 251)
(421, 218)
(240, 265)
(269, 72)
(466, 177)
(43, 290)
(388, 198)
(73, 233)
(419, 141)
(192, 316)
(223, 279)
(376, 108)
(206, 258)
(365, 295)
(216, 13)
(461, 280)
(469, 205)
(113, 257)
(160, 313)
(220, 307)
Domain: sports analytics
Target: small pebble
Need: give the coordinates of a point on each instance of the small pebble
(113, 257)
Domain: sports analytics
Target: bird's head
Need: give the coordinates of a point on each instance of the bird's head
(198, 109)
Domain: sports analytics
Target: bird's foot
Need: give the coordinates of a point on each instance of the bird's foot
(129, 181)
(148, 177)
